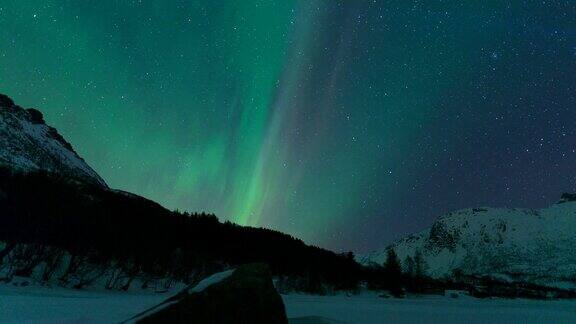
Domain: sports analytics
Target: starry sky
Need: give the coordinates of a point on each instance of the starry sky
(345, 123)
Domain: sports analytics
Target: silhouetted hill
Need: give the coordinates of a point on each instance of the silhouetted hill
(141, 238)
(60, 222)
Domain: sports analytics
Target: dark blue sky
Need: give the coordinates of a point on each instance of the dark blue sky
(346, 123)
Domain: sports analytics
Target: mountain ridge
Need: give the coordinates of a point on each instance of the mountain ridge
(27, 143)
(61, 224)
(532, 245)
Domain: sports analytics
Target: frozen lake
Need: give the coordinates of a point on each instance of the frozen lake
(55, 305)
(369, 308)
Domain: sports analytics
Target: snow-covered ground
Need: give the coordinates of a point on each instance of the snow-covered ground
(61, 305)
(55, 305)
(369, 308)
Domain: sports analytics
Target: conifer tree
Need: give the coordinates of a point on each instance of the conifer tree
(393, 273)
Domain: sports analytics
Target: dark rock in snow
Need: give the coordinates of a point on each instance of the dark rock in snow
(247, 296)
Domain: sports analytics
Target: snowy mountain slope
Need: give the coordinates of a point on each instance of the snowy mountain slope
(520, 244)
(27, 143)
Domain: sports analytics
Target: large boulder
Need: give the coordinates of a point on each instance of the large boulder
(245, 296)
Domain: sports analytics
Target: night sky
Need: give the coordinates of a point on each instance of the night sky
(345, 123)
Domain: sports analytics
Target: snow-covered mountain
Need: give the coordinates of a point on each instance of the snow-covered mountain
(517, 244)
(27, 143)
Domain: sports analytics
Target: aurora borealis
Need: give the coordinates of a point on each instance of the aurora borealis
(345, 123)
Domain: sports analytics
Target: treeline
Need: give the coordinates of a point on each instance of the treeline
(142, 239)
(400, 278)
(409, 277)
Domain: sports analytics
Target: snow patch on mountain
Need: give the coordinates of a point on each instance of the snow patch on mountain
(512, 244)
(28, 144)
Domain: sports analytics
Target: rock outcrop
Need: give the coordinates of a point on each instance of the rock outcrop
(28, 144)
(535, 246)
(245, 296)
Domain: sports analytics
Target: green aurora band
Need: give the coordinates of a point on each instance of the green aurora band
(316, 118)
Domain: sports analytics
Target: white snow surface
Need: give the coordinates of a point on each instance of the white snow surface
(29, 145)
(535, 245)
(40, 304)
(58, 305)
(368, 309)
